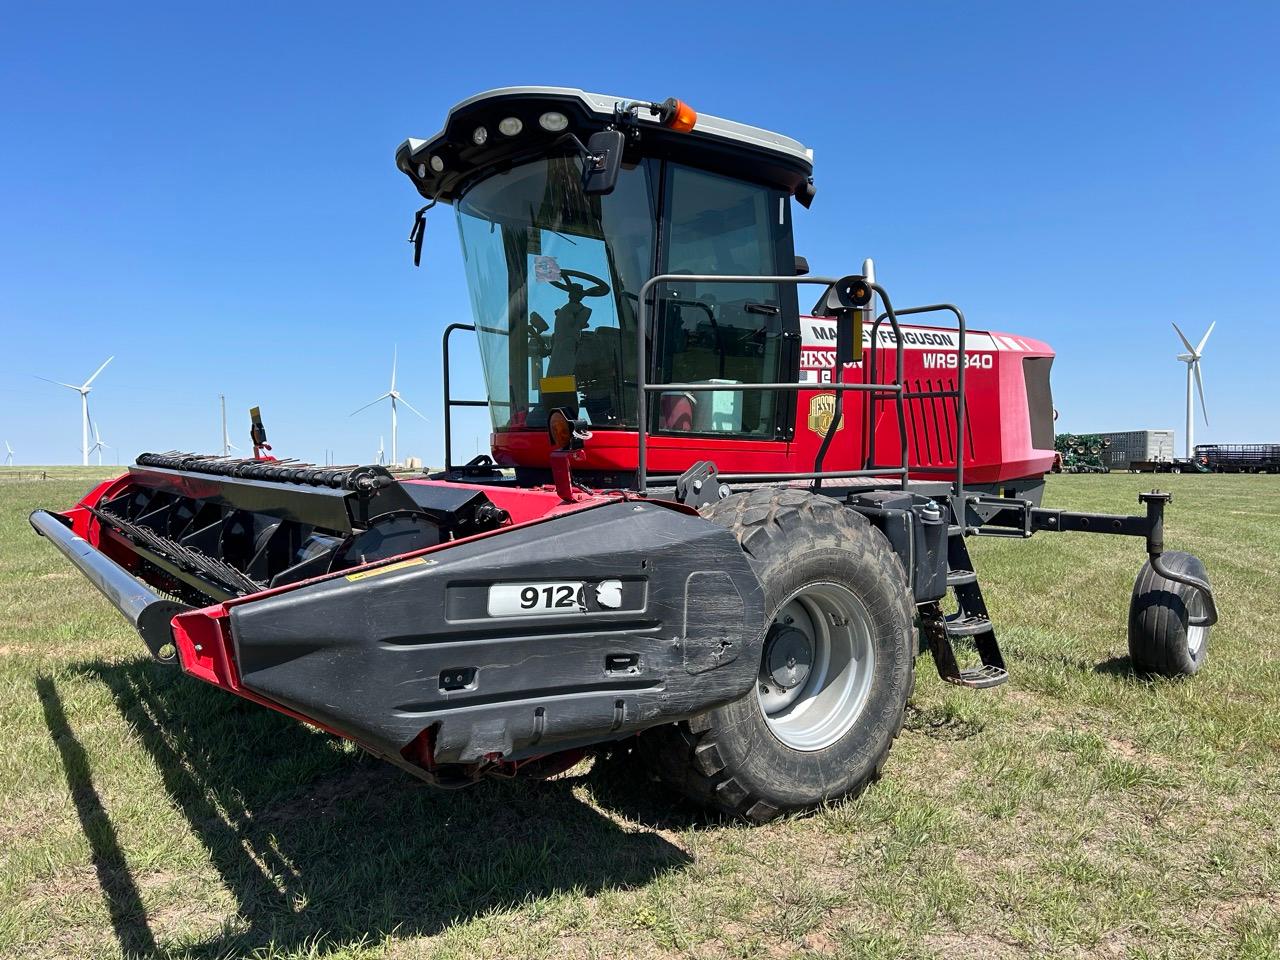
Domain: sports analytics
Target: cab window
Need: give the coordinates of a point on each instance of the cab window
(717, 332)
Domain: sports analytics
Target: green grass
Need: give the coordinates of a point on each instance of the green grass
(1076, 811)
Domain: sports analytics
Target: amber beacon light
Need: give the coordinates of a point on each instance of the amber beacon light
(677, 115)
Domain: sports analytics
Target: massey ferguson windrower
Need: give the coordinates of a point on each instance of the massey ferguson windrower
(710, 521)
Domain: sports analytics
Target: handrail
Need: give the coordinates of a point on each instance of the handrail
(958, 393)
(644, 388)
(449, 402)
(876, 391)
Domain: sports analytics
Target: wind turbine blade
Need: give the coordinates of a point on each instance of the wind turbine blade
(413, 408)
(1183, 337)
(1205, 339)
(369, 404)
(71, 386)
(99, 370)
(395, 354)
(1200, 389)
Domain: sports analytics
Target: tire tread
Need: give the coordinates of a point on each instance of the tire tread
(687, 755)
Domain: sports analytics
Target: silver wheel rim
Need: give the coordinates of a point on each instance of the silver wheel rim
(820, 710)
(1195, 639)
(1196, 635)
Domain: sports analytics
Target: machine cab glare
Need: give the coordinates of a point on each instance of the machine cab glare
(566, 203)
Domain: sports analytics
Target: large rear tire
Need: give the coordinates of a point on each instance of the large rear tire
(836, 671)
(1161, 638)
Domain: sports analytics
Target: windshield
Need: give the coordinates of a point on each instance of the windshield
(553, 276)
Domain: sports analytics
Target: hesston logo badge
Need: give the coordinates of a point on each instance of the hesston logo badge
(822, 407)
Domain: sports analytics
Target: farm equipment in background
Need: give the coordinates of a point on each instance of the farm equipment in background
(1239, 457)
(706, 519)
(1081, 453)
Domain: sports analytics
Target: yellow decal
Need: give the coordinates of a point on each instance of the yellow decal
(822, 407)
(563, 384)
(389, 568)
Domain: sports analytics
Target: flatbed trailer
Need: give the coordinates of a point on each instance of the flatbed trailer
(1240, 457)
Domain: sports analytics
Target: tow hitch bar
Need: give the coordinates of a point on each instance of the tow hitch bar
(1150, 526)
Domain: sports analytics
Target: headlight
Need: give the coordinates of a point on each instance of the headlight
(479, 135)
(553, 122)
(510, 126)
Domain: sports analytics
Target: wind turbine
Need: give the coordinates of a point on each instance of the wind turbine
(227, 445)
(83, 390)
(393, 395)
(98, 445)
(8, 457)
(382, 455)
(1192, 359)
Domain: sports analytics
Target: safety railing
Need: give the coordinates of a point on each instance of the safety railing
(877, 392)
(895, 389)
(449, 402)
(957, 394)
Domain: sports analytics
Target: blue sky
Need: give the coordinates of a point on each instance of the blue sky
(208, 192)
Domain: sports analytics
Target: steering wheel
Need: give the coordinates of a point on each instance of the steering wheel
(578, 292)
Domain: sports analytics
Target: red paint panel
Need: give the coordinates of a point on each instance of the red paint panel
(998, 435)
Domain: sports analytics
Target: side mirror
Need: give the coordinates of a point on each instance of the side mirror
(848, 300)
(603, 162)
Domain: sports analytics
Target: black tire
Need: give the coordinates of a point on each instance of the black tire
(729, 758)
(1161, 641)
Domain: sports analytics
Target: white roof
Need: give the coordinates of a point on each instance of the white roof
(603, 105)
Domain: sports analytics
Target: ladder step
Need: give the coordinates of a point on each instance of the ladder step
(980, 678)
(959, 578)
(960, 625)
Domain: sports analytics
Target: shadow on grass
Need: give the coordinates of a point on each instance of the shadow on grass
(620, 782)
(322, 845)
(1121, 667)
(124, 903)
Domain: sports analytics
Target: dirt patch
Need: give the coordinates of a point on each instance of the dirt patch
(68, 882)
(939, 726)
(1125, 749)
(957, 944)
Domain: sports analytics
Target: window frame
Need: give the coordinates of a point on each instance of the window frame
(788, 369)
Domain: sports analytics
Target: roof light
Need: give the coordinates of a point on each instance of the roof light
(553, 122)
(479, 135)
(510, 126)
(422, 171)
(677, 115)
(437, 164)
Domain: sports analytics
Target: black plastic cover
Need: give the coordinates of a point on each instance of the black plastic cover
(916, 528)
(386, 653)
(1035, 372)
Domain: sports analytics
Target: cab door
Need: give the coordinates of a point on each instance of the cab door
(724, 333)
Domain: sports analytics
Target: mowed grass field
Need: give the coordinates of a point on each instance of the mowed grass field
(1076, 811)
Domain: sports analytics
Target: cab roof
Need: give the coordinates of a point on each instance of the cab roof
(442, 166)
